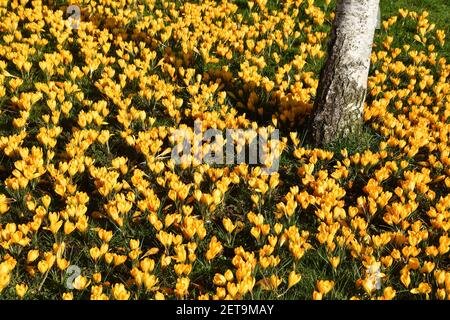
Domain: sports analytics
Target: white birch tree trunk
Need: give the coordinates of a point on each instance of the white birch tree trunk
(338, 106)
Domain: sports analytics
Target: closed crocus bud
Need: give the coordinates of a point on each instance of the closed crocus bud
(119, 259)
(440, 294)
(293, 279)
(62, 263)
(67, 296)
(317, 295)
(165, 260)
(228, 225)
(21, 290)
(134, 244)
(440, 277)
(94, 253)
(119, 292)
(181, 287)
(69, 227)
(80, 283)
(335, 261)
(109, 257)
(5, 278)
(405, 278)
(324, 286)
(4, 204)
(147, 265)
(427, 267)
(229, 275)
(232, 289)
(219, 280)
(43, 266)
(159, 296)
(221, 293)
(389, 293)
(278, 228)
(275, 281)
(32, 255)
(82, 224)
(97, 277)
(46, 200)
(215, 247)
(150, 281)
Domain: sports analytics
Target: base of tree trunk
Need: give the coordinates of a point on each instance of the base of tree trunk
(338, 107)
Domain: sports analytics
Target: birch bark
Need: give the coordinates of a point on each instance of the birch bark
(338, 106)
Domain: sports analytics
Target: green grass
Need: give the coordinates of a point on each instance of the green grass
(439, 11)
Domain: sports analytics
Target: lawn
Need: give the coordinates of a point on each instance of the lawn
(439, 14)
